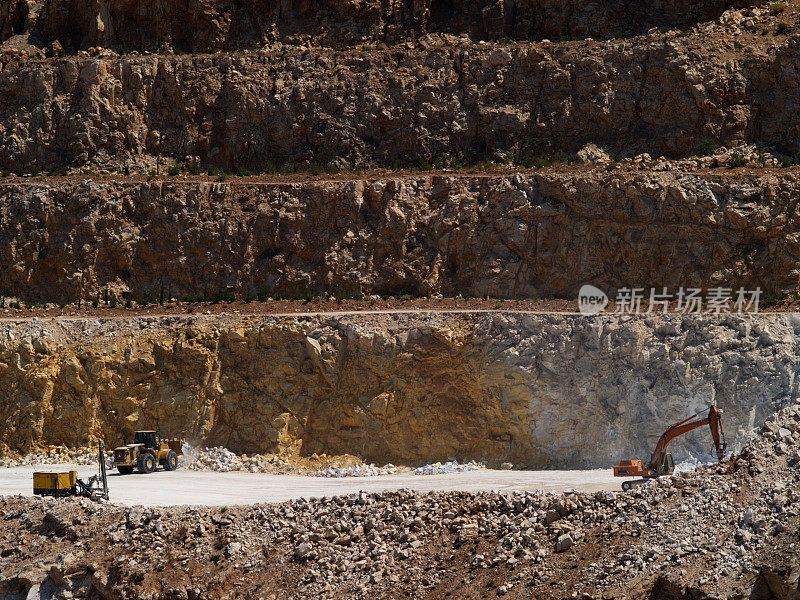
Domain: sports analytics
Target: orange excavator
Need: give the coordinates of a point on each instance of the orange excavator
(661, 462)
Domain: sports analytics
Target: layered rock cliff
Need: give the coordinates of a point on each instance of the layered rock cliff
(662, 94)
(537, 390)
(505, 235)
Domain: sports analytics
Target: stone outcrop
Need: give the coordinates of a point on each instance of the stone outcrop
(661, 95)
(214, 25)
(535, 390)
(13, 15)
(525, 234)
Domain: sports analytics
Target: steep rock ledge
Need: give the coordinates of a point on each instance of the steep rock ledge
(506, 235)
(213, 25)
(661, 96)
(537, 390)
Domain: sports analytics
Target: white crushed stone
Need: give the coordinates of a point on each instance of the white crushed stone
(452, 466)
(362, 470)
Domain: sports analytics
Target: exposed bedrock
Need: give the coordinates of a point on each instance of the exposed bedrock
(505, 235)
(213, 25)
(536, 390)
(661, 96)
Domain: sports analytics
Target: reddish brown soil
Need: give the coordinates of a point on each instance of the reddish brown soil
(320, 305)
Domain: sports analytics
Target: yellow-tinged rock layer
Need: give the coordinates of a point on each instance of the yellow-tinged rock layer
(536, 390)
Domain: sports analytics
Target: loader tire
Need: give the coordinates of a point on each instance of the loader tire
(123, 470)
(146, 463)
(626, 485)
(171, 463)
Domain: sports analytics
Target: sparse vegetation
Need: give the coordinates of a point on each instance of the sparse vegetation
(737, 160)
(706, 146)
(771, 299)
(777, 8)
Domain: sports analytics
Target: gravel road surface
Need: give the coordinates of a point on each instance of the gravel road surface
(216, 489)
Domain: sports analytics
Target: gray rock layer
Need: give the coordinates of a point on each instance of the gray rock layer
(553, 391)
(506, 236)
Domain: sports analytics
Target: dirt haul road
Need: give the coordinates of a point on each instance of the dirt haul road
(227, 489)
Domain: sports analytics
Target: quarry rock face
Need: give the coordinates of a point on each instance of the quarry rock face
(501, 235)
(535, 390)
(215, 25)
(396, 106)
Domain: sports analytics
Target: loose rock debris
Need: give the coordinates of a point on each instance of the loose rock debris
(721, 531)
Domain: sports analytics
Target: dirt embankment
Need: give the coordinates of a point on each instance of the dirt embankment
(535, 390)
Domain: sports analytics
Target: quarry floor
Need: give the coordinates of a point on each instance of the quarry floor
(184, 487)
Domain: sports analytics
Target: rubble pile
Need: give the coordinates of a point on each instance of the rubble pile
(725, 515)
(55, 456)
(362, 470)
(452, 466)
(222, 460)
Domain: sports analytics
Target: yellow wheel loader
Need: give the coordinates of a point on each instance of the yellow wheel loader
(146, 453)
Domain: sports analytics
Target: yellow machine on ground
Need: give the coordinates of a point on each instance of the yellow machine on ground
(68, 484)
(146, 453)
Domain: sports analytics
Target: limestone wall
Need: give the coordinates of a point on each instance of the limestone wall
(537, 390)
